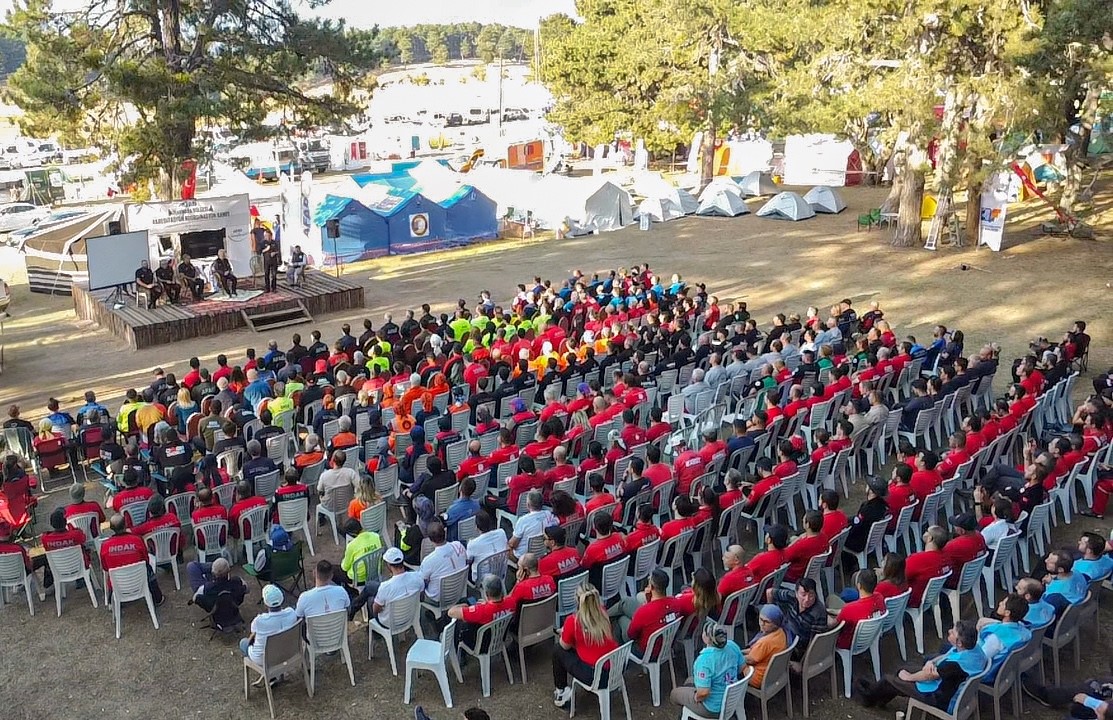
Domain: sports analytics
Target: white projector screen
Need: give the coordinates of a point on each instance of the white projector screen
(113, 259)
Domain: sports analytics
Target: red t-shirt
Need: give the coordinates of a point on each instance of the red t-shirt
(238, 510)
(729, 498)
(518, 486)
(964, 548)
(763, 563)
(887, 589)
(642, 534)
(674, 527)
(733, 581)
(472, 466)
(633, 435)
(834, 522)
(589, 652)
(924, 483)
(558, 473)
(785, 469)
(800, 552)
(657, 430)
(152, 524)
(837, 445)
(712, 450)
(530, 589)
(920, 568)
(539, 448)
(657, 474)
(126, 497)
(86, 507)
(603, 550)
(71, 537)
(551, 409)
(120, 550)
(559, 562)
(688, 466)
(650, 618)
(951, 462)
(205, 513)
(484, 612)
(900, 496)
(761, 488)
(853, 613)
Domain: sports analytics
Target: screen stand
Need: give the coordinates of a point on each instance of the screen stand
(116, 299)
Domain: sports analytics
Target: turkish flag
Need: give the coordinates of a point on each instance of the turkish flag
(189, 184)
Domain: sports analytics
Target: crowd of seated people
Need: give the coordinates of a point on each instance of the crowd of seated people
(545, 418)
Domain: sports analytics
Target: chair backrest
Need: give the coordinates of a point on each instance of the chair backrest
(128, 582)
(443, 497)
(735, 696)
(820, 654)
(136, 512)
(254, 519)
(166, 542)
(645, 559)
(12, 570)
(1066, 628)
(1006, 548)
(877, 534)
(965, 702)
(386, 481)
(904, 519)
(674, 550)
(566, 591)
(614, 663)
(225, 494)
(402, 612)
(283, 647)
(492, 635)
(536, 618)
(495, 563)
(326, 633)
(894, 608)
(266, 484)
(87, 523)
(972, 573)
(66, 563)
(292, 513)
(373, 517)
(932, 590)
(735, 604)
(212, 534)
(658, 646)
(866, 633)
(776, 673)
(370, 563)
(614, 577)
(453, 587)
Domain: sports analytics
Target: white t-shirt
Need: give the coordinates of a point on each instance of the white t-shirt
(395, 588)
(481, 546)
(533, 523)
(322, 600)
(266, 624)
(444, 560)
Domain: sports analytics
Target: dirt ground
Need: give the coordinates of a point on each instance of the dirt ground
(73, 667)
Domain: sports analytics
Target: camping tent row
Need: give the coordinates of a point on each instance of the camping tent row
(401, 221)
(791, 206)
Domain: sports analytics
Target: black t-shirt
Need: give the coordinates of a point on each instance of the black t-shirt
(19, 423)
(228, 443)
(269, 251)
(176, 455)
(257, 238)
(187, 270)
(165, 274)
(145, 276)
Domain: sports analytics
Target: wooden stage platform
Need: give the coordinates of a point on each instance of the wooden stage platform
(319, 293)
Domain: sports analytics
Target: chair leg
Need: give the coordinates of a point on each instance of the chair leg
(485, 674)
(918, 626)
(522, 662)
(654, 672)
(442, 680)
(270, 695)
(348, 661)
(847, 661)
(312, 673)
(875, 655)
(604, 704)
(390, 652)
(409, 680)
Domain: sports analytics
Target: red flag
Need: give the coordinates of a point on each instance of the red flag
(189, 184)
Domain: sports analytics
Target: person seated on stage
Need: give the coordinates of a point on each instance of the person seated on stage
(191, 278)
(169, 286)
(222, 271)
(145, 281)
(295, 267)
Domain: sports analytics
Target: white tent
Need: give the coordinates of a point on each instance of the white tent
(787, 206)
(820, 159)
(653, 185)
(583, 204)
(660, 209)
(756, 183)
(230, 181)
(514, 191)
(721, 184)
(746, 156)
(721, 202)
(825, 200)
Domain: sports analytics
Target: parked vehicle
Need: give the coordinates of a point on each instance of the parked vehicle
(19, 215)
(314, 154)
(263, 161)
(22, 153)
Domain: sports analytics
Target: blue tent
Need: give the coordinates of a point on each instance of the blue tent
(470, 216)
(414, 222)
(363, 233)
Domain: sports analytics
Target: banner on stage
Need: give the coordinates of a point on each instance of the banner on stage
(231, 214)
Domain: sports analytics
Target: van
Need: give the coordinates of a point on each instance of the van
(314, 154)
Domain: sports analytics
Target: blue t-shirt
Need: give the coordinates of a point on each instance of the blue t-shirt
(1040, 613)
(997, 641)
(1095, 569)
(716, 668)
(971, 661)
(1072, 588)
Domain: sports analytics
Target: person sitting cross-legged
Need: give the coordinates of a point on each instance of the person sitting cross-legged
(216, 579)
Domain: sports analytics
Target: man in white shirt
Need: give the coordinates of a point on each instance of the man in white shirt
(446, 558)
(532, 523)
(490, 540)
(401, 583)
(337, 476)
(273, 621)
(1002, 513)
(325, 596)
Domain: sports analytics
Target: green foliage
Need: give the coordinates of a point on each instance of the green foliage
(140, 78)
(443, 43)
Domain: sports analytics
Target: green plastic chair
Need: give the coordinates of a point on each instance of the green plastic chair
(870, 219)
(284, 565)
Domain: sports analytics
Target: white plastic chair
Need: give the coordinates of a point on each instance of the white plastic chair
(1001, 566)
(453, 589)
(929, 601)
(266, 484)
(894, 620)
(431, 655)
(292, 515)
(867, 634)
(733, 708)
(336, 515)
(491, 638)
(658, 651)
(900, 532)
(968, 582)
(166, 542)
(1039, 533)
(614, 665)
(213, 535)
(645, 560)
(373, 517)
(874, 543)
(130, 583)
(777, 678)
(68, 565)
(13, 574)
(283, 653)
(256, 519)
(403, 614)
(325, 634)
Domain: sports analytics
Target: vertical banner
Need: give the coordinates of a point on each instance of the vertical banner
(306, 211)
(995, 204)
(189, 182)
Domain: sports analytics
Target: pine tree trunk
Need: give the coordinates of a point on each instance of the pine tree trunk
(707, 155)
(973, 214)
(909, 226)
(1076, 151)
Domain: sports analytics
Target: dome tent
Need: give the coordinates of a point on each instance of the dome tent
(825, 200)
(787, 206)
(660, 209)
(721, 200)
(756, 183)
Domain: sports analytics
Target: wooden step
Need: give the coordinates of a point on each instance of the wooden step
(271, 319)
